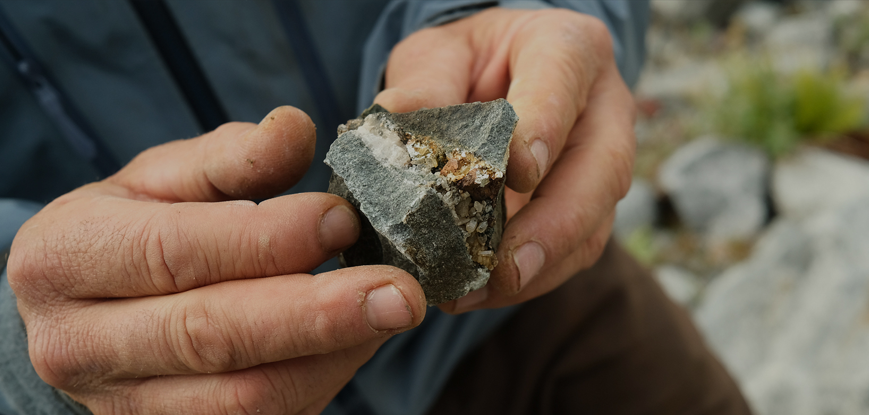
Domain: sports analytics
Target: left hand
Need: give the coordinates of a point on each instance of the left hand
(573, 149)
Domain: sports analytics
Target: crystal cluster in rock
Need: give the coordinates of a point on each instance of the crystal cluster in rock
(429, 187)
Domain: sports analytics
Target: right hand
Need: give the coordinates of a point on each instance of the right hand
(149, 292)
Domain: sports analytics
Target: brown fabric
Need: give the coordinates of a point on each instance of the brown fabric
(609, 341)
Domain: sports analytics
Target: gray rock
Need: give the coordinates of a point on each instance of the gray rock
(717, 12)
(759, 16)
(791, 321)
(637, 210)
(803, 41)
(429, 186)
(718, 188)
(689, 78)
(680, 284)
(837, 9)
(815, 180)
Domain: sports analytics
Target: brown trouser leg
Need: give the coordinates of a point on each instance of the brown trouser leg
(609, 341)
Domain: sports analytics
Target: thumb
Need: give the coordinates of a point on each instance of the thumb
(235, 161)
(429, 69)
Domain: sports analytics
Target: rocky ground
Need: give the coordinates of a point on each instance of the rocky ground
(761, 226)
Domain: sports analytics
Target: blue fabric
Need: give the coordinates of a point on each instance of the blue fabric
(420, 361)
(21, 390)
(103, 59)
(13, 214)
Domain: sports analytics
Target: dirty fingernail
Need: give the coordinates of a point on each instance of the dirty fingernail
(541, 153)
(471, 299)
(339, 228)
(529, 259)
(386, 309)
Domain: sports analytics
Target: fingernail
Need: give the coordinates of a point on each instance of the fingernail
(386, 309)
(529, 258)
(339, 228)
(471, 299)
(541, 153)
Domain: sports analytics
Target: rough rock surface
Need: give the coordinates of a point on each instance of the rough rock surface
(429, 186)
(680, 284)
(791, 321)
(815, 180)
(718, 188)
(801, 42)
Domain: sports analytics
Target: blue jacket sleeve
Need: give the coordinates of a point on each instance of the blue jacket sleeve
(13, 214)
(627, 21)
(22, 392)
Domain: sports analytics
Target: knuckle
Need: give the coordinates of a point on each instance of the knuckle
(591, 31)
(50, 356)
(326, 333)
(43, 264)
(318, 333)
(409, 48)
(622, 162)
(598, 34)
(158, 242)
(256, 394)
(595, 247)
(202, 343)
(578, 223)
(21, 266)
(262, 252)
(585, 32)
(165, 247)
(578, 26)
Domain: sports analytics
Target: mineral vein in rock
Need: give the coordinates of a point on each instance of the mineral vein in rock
(429, 186)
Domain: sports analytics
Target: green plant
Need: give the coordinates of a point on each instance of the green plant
(776, 112)
(640, 243)
(821, 107)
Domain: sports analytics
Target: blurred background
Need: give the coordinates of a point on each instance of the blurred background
(751, 191)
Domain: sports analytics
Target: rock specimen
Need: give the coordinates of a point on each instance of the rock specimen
(429, 186)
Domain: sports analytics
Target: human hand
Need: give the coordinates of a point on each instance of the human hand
(150, 292)
(573, 148)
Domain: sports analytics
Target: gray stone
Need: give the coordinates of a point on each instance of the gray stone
(837, 9)
(686, 79)
(791, 321)
(717, 12)
(637, 210)
(759, 16)
(429, 187)
(717, 188)
(803, 41)
(814, 180)
(680, 284)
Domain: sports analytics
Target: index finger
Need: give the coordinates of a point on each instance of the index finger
(111, 247)
(236, 325)
(431, 68)
(555, 58)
